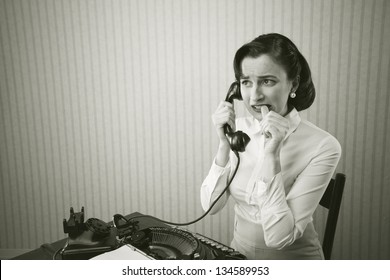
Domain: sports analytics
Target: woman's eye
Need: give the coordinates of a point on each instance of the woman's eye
(245, 83)
(268, 82)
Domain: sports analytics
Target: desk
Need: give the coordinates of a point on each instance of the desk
(46, 251)
(207, 248)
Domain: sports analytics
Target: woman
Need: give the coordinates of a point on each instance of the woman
(288, 162)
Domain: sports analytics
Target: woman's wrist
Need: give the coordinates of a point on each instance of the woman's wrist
(274, 155)
(271, 167)
(222, 156)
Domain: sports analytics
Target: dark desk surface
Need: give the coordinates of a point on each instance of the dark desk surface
(46, 251)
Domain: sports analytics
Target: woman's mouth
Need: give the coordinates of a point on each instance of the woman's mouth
(257, 108)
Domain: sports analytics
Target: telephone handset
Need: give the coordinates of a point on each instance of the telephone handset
(238, 140)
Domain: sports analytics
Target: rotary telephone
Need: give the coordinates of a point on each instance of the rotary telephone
(86, 240)
(238, 140)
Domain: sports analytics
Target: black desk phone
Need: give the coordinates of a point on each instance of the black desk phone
(86, 240)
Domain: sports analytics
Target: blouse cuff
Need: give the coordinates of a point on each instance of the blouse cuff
(215, 174)
(270, 196)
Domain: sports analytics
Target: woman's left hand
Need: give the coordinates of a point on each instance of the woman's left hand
(275, 128)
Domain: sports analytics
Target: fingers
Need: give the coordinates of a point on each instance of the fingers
(274, 130)
(264, 111)
(224, 114)
(273, 124)
(275, 120)
(225, 104)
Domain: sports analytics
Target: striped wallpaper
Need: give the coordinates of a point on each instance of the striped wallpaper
(107, 105)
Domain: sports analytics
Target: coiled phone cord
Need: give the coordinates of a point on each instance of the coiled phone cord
(204, 214)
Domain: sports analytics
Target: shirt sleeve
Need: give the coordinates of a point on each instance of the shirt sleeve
(284, 218)
(213, 185)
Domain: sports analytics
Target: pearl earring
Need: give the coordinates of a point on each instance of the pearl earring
(293, 94)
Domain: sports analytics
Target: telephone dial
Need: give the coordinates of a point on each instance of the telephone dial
(238, 140)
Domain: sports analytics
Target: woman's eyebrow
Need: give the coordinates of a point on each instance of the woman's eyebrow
(260, 77)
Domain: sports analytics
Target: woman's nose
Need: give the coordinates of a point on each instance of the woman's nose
(256, 93)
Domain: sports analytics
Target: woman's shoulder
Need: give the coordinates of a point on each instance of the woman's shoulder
(318, 135)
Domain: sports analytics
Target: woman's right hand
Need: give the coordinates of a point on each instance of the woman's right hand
(224, 114)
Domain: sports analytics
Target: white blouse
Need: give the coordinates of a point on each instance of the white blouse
(283, 207)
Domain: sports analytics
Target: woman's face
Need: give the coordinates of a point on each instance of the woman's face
(264, 82)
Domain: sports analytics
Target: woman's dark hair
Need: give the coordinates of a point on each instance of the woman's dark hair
(284, 52)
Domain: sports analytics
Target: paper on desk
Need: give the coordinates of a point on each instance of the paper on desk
(126, 252)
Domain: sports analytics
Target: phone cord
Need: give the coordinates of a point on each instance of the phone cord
(204, 214)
